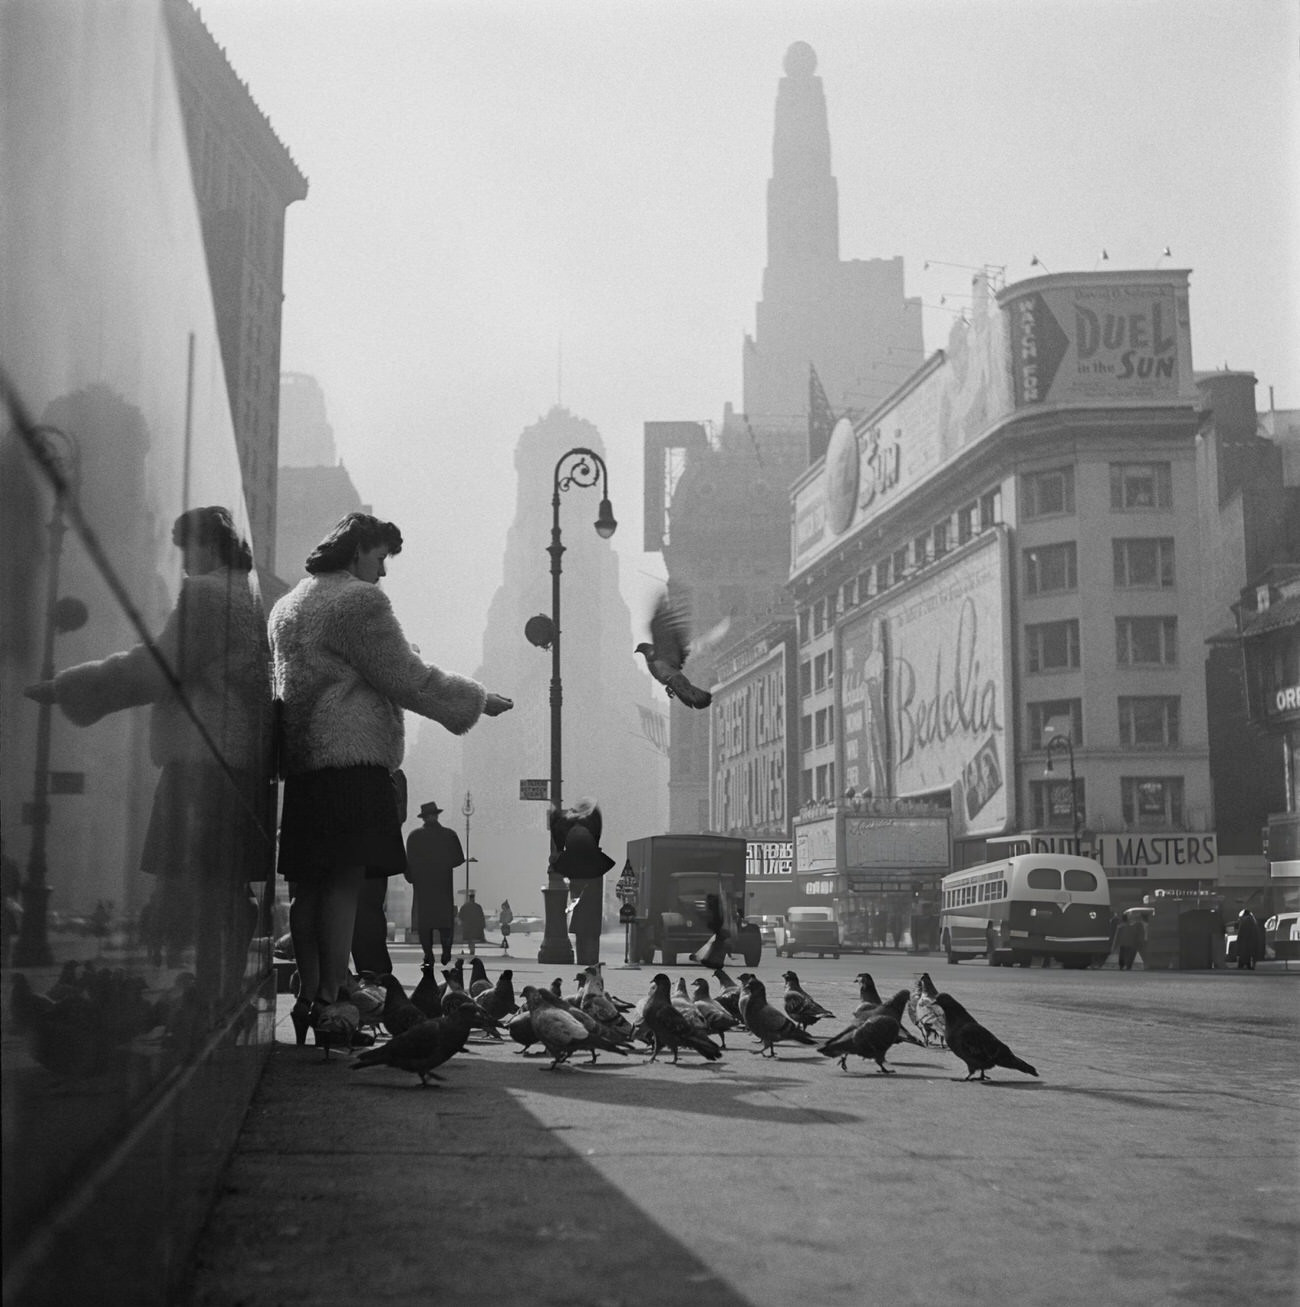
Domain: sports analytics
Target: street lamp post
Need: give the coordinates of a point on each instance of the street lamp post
(467, 811)
(583, 468)
(1061, 740)
(60, 455)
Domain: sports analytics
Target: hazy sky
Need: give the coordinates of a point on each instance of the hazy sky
(517, 202)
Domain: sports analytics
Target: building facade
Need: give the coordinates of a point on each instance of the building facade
(244, 179)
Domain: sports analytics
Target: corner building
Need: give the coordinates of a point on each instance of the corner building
(1006, 550)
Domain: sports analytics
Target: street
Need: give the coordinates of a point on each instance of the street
(1154, 1160)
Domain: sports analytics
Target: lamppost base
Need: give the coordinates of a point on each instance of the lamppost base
(556, 950)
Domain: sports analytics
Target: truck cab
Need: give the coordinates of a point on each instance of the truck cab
(808, 930)
(683, 882)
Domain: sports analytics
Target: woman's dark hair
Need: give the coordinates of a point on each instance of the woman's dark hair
(354, 532)
(213, 525)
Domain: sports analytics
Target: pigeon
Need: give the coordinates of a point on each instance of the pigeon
(562, 1031)
(768, 1024)
(668, 1027)
(597, 1003)
(665, 653)
(979, 1048)
(800, 1006)
(683, 1002)
(868, 994)
(873, 1038)
(926, 1014)
(338, 1023)
(498, 1001)
(728, 993)
(421, 1048)
(478, 977)
(367, 992)
(427, 995)
(717, 1020)
(399, 1012)
(454, 996)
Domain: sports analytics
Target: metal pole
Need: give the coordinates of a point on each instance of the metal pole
(467, 811)
(586, 467)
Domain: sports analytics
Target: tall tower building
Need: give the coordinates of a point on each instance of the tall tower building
(612, 712)
(848, 318)
(717, 503)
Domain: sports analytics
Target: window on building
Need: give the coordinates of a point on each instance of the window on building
(1045, 493)
(940, 538)
(819, 618)
(991, 508)
(921, 550)
(1144, 562)
(968, 517)
(1154, 801)
(1052, 646)
(1050, 569)
(805, 785)
(819, 727)
(1146, 641)
(819, 672)
(1135, 486)
(1067, 711)
(822, 782)
(805, 678)
(850, 593)
(830, 667)
(1050, 805)
(882, 575)
(806, 732)
(804, 619)
(900, 563)
(1148, 720)
(865, 590)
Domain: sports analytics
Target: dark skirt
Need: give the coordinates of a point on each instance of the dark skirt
(340, 817)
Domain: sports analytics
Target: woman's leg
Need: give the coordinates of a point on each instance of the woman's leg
(303, 930)
(336, 916)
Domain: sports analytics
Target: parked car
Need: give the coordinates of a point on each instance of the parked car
(808, 930)
(525, 925)
(767, 927)
(1282, 936)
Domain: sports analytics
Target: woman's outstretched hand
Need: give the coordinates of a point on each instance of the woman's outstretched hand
(495, 704)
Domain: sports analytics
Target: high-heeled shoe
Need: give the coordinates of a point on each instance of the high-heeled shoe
(304, 1019)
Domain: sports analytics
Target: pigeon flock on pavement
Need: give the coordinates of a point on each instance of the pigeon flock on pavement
(377, 1023)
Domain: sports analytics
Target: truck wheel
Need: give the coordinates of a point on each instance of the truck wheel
(835, 956)
(670, 957)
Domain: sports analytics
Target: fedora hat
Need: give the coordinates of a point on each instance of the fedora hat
(429, 809)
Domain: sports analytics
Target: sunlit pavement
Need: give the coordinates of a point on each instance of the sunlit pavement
(1153, 1161)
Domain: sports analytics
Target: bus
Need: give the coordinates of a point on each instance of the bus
(1035, 905)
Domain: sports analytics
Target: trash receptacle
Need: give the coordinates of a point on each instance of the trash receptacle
(1195, 940)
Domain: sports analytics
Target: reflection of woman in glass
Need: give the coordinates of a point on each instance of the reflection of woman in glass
(207, 676)
(345, 673)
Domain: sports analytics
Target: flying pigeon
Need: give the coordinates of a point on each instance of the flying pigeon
(665, 653)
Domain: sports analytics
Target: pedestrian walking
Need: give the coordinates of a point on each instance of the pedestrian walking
(505, 916)
(472, 923)
(1130, 936)
(1250, 940)
(433, 852)
(345, 672)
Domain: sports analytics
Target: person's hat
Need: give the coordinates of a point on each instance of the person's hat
(429, 809)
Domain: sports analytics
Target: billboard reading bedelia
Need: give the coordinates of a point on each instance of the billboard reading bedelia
(924, 692)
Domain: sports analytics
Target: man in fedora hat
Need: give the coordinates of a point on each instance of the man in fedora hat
(433, 853)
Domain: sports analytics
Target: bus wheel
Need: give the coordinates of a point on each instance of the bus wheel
(953, 959)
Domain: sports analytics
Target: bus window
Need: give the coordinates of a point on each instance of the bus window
(1043, 878)
(1076, 878)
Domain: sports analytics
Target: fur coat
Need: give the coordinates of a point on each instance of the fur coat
(214, 645)
(345, 672)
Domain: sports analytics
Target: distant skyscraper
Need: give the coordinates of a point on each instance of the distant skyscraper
(306, 436)
(718, 507)
(613, 713)
(849, 318)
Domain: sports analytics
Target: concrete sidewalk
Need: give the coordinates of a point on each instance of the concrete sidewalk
(1152, 1162)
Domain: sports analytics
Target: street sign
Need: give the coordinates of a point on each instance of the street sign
(627, 912)
(535, 789)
